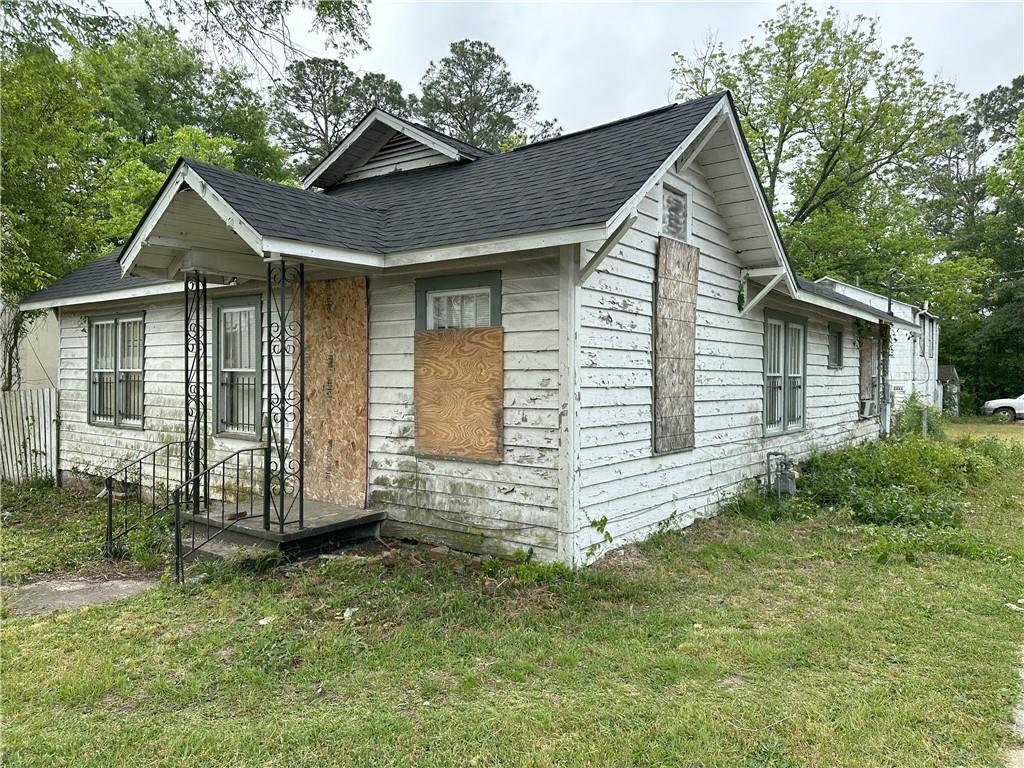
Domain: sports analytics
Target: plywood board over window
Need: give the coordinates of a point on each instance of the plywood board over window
(336, 388)
(674, 344)
(459, 384)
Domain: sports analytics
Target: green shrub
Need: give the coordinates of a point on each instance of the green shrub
(912, 462)
(904, 507)
(755, 505)
(911, 415)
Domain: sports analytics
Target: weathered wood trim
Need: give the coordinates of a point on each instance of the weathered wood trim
(568, 401)
(490, 279)
(544, 239)
(613, 239)
(377, 115)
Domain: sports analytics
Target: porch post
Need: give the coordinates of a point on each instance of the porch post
(286, 384)
(196, 383)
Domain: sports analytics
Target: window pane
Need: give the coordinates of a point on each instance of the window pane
(773, 374)
(130, 352)
(460, 309)
(238, 342)
(673, 214)
(238, 391)
(795, 375)
(103, 346)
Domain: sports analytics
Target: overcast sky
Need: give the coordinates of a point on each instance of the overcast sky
(594, 62)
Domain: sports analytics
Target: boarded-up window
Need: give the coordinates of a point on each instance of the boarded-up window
(459, 366)
(868, 369)
(675, 317)
(835, 346)
(459, 391)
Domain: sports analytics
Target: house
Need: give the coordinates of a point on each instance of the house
(913, 353)
(36, 359)
(558, 349)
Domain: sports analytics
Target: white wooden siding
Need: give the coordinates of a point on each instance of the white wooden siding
(471, 505)
(98, 449)
(621, 479)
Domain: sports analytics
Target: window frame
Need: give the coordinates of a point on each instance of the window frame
(838, 330)
(432, 294)
(674, 183)
(465, 282)
(254, 301)
(115, 320)
(786, 321)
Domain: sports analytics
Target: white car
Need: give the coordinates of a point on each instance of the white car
(1014, 408)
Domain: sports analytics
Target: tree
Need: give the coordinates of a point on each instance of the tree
(321, 99)
(825, 106)
(256, 29)
(51, 141)
(150, 81)
(470, 95)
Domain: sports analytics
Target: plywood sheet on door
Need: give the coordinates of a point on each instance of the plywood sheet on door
(336, 386)
(459, 383)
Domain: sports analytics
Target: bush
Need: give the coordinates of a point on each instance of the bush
(910, 461)
(911, 414)
(902, 506)
(755, 505)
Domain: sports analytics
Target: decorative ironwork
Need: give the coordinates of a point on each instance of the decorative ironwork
(141, 490)
(283, 499)
(234, 486)
(197, 376)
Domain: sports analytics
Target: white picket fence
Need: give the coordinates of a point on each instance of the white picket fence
(28, 434)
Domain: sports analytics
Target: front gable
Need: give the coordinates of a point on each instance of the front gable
(381, 144)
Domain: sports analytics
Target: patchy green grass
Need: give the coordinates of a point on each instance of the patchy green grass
(47, 529)
(986, 426)
(739, 642)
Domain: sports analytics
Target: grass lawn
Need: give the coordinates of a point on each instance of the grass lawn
(736, 642)
(987, 426)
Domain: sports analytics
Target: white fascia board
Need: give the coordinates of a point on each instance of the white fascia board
(696, 135)
(185, 176)
(378, 116)
(133, 246)
(548, 239)
(235, 222)
(845, 309)
(895, 301)
(322, 253)
(769, 221)
(99, 298)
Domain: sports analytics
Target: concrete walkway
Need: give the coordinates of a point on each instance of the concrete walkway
(58, 594)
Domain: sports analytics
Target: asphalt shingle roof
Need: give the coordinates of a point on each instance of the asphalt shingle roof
(99, 276)
(825, 292)
(573, 180)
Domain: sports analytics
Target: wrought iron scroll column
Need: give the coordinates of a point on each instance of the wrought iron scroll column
(283, 472)
(196, 385)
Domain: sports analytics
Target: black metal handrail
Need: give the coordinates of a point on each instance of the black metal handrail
(223, 505)
(155, 472)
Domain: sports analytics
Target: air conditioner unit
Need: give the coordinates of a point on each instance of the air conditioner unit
(868, 408)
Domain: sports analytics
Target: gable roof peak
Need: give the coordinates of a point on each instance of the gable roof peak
(372, 133)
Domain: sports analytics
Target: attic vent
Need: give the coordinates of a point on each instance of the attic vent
(399, 153)
(395, 147)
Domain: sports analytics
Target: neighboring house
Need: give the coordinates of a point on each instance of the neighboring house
(914, 353)
(37, 353)
(558, 349)
(949, 381)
